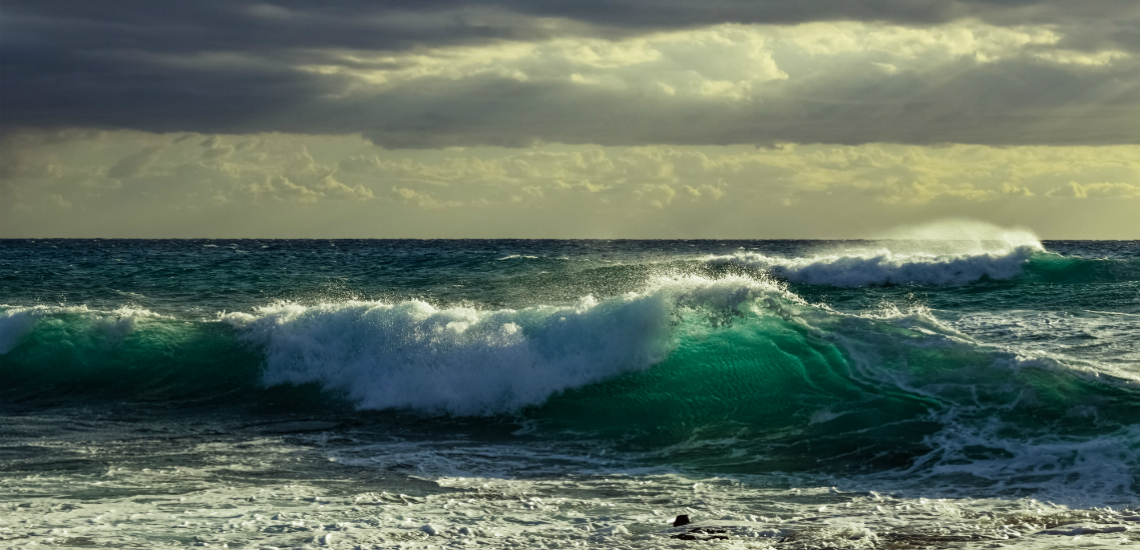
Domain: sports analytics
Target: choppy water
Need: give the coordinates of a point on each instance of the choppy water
(798, 394)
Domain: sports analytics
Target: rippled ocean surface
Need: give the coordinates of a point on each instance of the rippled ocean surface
(901, 393)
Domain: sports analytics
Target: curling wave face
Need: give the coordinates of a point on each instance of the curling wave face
(465, 361)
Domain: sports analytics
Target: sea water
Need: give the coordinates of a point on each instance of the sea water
(951, 389)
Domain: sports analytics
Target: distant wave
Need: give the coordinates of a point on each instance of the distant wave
(886, 267)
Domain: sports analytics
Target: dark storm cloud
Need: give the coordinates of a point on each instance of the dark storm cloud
(998, 105)
(380, 24)
(231, 66)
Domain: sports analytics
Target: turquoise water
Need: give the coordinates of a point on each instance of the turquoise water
(970, 368)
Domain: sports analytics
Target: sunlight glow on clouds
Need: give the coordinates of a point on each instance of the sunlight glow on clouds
(716, 118)
(67, 179)
(721, 62)
(729, 62)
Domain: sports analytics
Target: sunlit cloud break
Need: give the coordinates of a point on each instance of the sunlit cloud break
(433, 119)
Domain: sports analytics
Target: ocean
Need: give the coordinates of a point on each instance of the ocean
(973, 388)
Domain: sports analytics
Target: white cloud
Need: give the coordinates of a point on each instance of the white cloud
(979, 41)
(1096, 191)
(729, 62)
(279, 187)
(423, 199)
(723, 62)
(331, 173)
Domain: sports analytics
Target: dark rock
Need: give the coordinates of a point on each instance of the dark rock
(682, 519)
(703, 533)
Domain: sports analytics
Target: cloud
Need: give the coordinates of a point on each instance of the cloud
(1096, 191)
(328, 186)
(280, 188)
(134, 164)
(275, 184)
(85, 165)
(725, 61)
(59, 201)
(658, 195)
(424, 199)
(704, 190)
(1016, 190)
(436, 74)
(271, 168)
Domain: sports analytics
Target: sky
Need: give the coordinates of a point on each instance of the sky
(567, 119)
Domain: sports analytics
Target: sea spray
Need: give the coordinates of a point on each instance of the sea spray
(964, 236)
(466, 361)
(942, 253)
(852, 268)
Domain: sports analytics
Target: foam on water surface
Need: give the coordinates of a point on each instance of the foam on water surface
(884, 266)
(944, 253)
(1106, 338)
(242, 487)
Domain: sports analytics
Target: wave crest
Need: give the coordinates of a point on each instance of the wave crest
(465, 361)
(886, 267)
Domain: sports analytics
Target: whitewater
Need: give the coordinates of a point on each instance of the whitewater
(954, 385)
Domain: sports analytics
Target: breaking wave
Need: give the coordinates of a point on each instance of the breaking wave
(951, 252)
(465, 361)
(887, 267)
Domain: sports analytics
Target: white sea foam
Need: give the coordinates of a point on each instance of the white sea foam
(1109, 341)
(289, 495)
(984, 441)
(466, 361)
(1084, 470)
(884, 266)
(943, 253)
